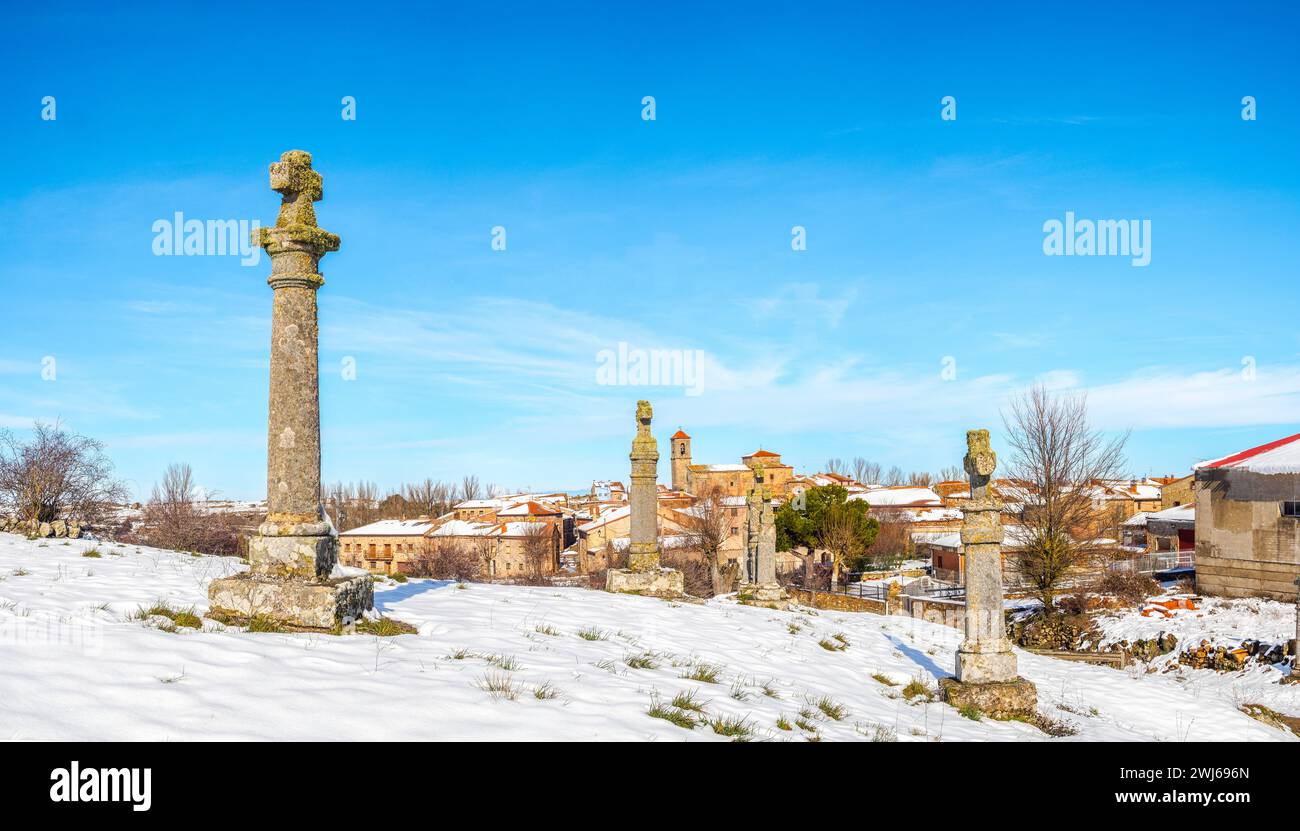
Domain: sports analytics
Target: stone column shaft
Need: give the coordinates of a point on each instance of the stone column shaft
(643, 551)
(985, 655)
(293, 435)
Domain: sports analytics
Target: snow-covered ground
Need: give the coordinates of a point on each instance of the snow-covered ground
(1220, 622)
(75, 664)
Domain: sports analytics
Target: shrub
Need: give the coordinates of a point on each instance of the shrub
(1127, 587)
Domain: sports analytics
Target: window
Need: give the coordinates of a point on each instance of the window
(1291, 509)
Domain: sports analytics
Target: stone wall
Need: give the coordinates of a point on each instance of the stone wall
(837, 601)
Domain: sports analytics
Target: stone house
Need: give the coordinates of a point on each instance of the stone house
(1175, 491)
(1248, 522)
(506, 550)
(383, 547)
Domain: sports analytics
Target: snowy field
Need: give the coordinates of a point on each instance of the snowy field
(75, 663)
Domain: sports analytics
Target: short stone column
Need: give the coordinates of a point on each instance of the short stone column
(643, 574)
(292, 559)
(986, 666)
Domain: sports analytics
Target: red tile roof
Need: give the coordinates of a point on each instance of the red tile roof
(763, 453)
(680, 434)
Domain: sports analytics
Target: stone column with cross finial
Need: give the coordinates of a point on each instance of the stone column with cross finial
(761, 587)
(293, 557)
(643, 574)
(986, 666)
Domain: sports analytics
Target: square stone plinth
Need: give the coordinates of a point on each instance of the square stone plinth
(658, 582)
(767, 595)
(995, 699)
(292, 556)
(299, 604)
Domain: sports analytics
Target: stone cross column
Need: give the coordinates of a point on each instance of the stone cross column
(760, 545)
(291, 560)
(295, 539)
(986, 654)
(643, 552)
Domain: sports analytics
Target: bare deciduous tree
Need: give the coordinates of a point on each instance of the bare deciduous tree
(174, 517)
(706, 526)
(446, 558)
(865, 472)
(841, 536)
(952, 473)
(429, 498)
(894, 476)
(56, 474)
(539, 549)
(470, 488)
(837, 465)
(1059, 459)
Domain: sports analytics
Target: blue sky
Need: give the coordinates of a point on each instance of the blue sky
(924, 236)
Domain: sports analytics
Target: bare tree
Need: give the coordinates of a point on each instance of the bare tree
(841, 536)
(865, 472)
(894, 476)
(706, 527)
(952, 473)
(919, 479)
(174, 517)
(56, 474)
(836, 465)
(429, 498)
(1059, 459)
(447, 558)
(539, 551)
(470, 488)
(892, 545)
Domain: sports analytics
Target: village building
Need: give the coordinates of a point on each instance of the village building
(1175, 491)
(1248, 522)
(383, 547)
(731, 479)
(508, 550)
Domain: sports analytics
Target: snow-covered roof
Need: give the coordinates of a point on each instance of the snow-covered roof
(605, 518)
(462, 528)
(1138, 520)
(529, 508)
(932, 515)
(1014, 537)
(519, 529)
(1139, 489)
(482, 503)
(665, 541)
(909, 496)
(1185, 513)
(391, 528)
(1276, 457)
(727, 468)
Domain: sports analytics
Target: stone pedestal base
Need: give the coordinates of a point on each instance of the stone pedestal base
(983, 667)
(322, 605)
(659, 582)
(769, 595)
(995, 699)
(304, 551)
